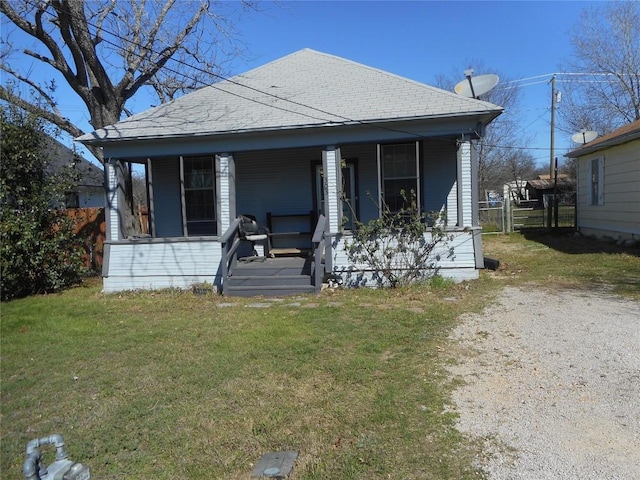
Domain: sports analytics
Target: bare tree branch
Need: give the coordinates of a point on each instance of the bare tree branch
(161, 58)
(104, 13)
(41, 91)
(53, 118)
(606, 43)
(106, 50)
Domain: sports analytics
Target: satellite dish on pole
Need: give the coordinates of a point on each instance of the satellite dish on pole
(584, 136)
(473, 87)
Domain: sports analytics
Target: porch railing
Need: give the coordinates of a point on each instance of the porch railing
(230, 242)
(322, 261)
(321, 245)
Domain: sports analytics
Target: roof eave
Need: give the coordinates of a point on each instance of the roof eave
(612, 142)
(487, 116)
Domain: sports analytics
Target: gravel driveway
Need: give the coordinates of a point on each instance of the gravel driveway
(552, 385)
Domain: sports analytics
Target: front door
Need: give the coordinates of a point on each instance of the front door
(349, 194)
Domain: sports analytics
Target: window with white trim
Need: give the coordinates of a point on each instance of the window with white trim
(199, 195)
(399, 174)
(596, 184)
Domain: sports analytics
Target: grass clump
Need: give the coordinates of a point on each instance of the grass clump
(566, 260)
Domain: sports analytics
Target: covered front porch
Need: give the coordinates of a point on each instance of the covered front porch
(288, 191)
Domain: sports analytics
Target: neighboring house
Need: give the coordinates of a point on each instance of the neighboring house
(544, 187)
(90, 190)
(516, 191)
(609, 184)
(298, 143)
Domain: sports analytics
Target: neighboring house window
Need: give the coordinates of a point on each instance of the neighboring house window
(199, 195)
(596, 175)
(72, 200)
(399, 175)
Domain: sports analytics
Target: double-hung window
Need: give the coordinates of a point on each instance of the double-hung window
(596, 184)
(399, 175)
(199, 207)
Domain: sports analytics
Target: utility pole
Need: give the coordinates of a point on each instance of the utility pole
(551, 159)
(553, 125)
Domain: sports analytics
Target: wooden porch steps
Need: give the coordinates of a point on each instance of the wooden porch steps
(270, 277)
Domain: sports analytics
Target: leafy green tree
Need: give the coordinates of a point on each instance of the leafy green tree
(38, 250)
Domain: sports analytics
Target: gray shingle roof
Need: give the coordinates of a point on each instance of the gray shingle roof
(304, 89)
(59, 156)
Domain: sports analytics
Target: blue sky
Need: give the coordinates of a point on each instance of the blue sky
(419, 40)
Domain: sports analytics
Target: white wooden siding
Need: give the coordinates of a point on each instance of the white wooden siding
(162, 264)
(225, 182)
(330, 165)
(619, 214)
(466, 184)
(112, 201)
(458, 267)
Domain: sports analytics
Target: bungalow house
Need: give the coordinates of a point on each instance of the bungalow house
(301, 144)
(609, 185)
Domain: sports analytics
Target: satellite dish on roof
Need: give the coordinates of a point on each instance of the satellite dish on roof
(473, 87)
(584, 136)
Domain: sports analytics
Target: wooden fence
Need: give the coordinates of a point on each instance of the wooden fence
(90, 227)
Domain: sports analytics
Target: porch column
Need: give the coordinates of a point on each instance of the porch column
(465, 183)
(468, 181)
(475, 194)
(226, 188)
(332, 179)
(112, 218)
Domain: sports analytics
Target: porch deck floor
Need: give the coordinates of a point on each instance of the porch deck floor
(286, 265)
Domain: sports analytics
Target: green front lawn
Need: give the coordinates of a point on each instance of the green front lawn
(175, 386)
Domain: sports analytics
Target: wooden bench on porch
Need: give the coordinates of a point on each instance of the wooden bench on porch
(290, 233)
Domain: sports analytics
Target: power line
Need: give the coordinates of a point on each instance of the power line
(547, 75)
(234, 82)
(231, 81)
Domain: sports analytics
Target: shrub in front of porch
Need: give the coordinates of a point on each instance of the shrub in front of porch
(400, 247)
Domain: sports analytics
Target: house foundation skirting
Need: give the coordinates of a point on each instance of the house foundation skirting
(457, 261)
(154, 264)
